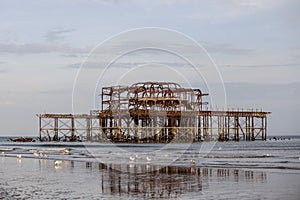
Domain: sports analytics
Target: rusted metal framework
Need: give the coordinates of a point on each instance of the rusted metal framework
(69, 127)
(154, 112)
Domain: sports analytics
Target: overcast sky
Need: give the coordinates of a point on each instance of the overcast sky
(255, 44)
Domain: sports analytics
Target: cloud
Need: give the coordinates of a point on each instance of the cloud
(58, 91)
(91, 65)
(57, 34)
(70, 55)
(231, 10)
(226, 49)
(74, 66)
(2, 71)
(7, 103)
(36, 48)
(266, 65)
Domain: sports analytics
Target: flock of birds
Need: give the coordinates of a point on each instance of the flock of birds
(134, 158)
(67, 151)
(58, 162)
(38, 154)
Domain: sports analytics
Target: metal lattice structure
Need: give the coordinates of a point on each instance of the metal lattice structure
(154, 112)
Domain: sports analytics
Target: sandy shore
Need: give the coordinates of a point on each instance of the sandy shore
(40, 179)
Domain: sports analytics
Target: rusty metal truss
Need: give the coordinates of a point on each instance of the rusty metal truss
(154, 112)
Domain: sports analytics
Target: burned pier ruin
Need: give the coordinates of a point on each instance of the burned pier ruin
(154, 112)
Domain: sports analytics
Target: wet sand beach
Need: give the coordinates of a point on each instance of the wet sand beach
(30, 178)
(230, 170)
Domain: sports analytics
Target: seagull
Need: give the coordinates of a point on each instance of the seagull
(36, 154)
(148, 159)
(57, 162)
(3, 154)
(193, 162)
(132, 158)
(66, 150)
(19, 156)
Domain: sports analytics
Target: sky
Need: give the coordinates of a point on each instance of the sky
(255, 45)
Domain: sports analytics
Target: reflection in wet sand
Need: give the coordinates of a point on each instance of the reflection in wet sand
(167, 182)
(33, 178)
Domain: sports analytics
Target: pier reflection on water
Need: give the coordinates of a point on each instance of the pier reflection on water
(150, 181)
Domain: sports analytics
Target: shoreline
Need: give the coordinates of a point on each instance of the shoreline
(94, 160)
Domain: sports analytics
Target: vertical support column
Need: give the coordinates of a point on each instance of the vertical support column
(211, 126)
(88, 129)
(221, 124)
(252, 129)
(110, 129)
(192, 132)
(55, 138)
(225, 128)
(248, 128)
(40, 127)
(228, 127)
(156, 137)
(100, 130)
(204, 127)
(265, 127)
(262, 128)
(128, 127)
(199, 135)
(236, 126)
(219, 128)
(72, 129)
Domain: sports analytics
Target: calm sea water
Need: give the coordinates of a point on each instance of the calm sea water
(214, 170)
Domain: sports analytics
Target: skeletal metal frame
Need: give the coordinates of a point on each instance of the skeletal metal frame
(154, 112)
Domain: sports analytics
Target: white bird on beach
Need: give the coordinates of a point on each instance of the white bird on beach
(148, 159)
(57, 162)
(36, 154)
(193, 162)
(19, 156)
(66, 150)
(132, 158)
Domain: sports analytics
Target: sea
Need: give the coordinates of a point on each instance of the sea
(208, 170)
